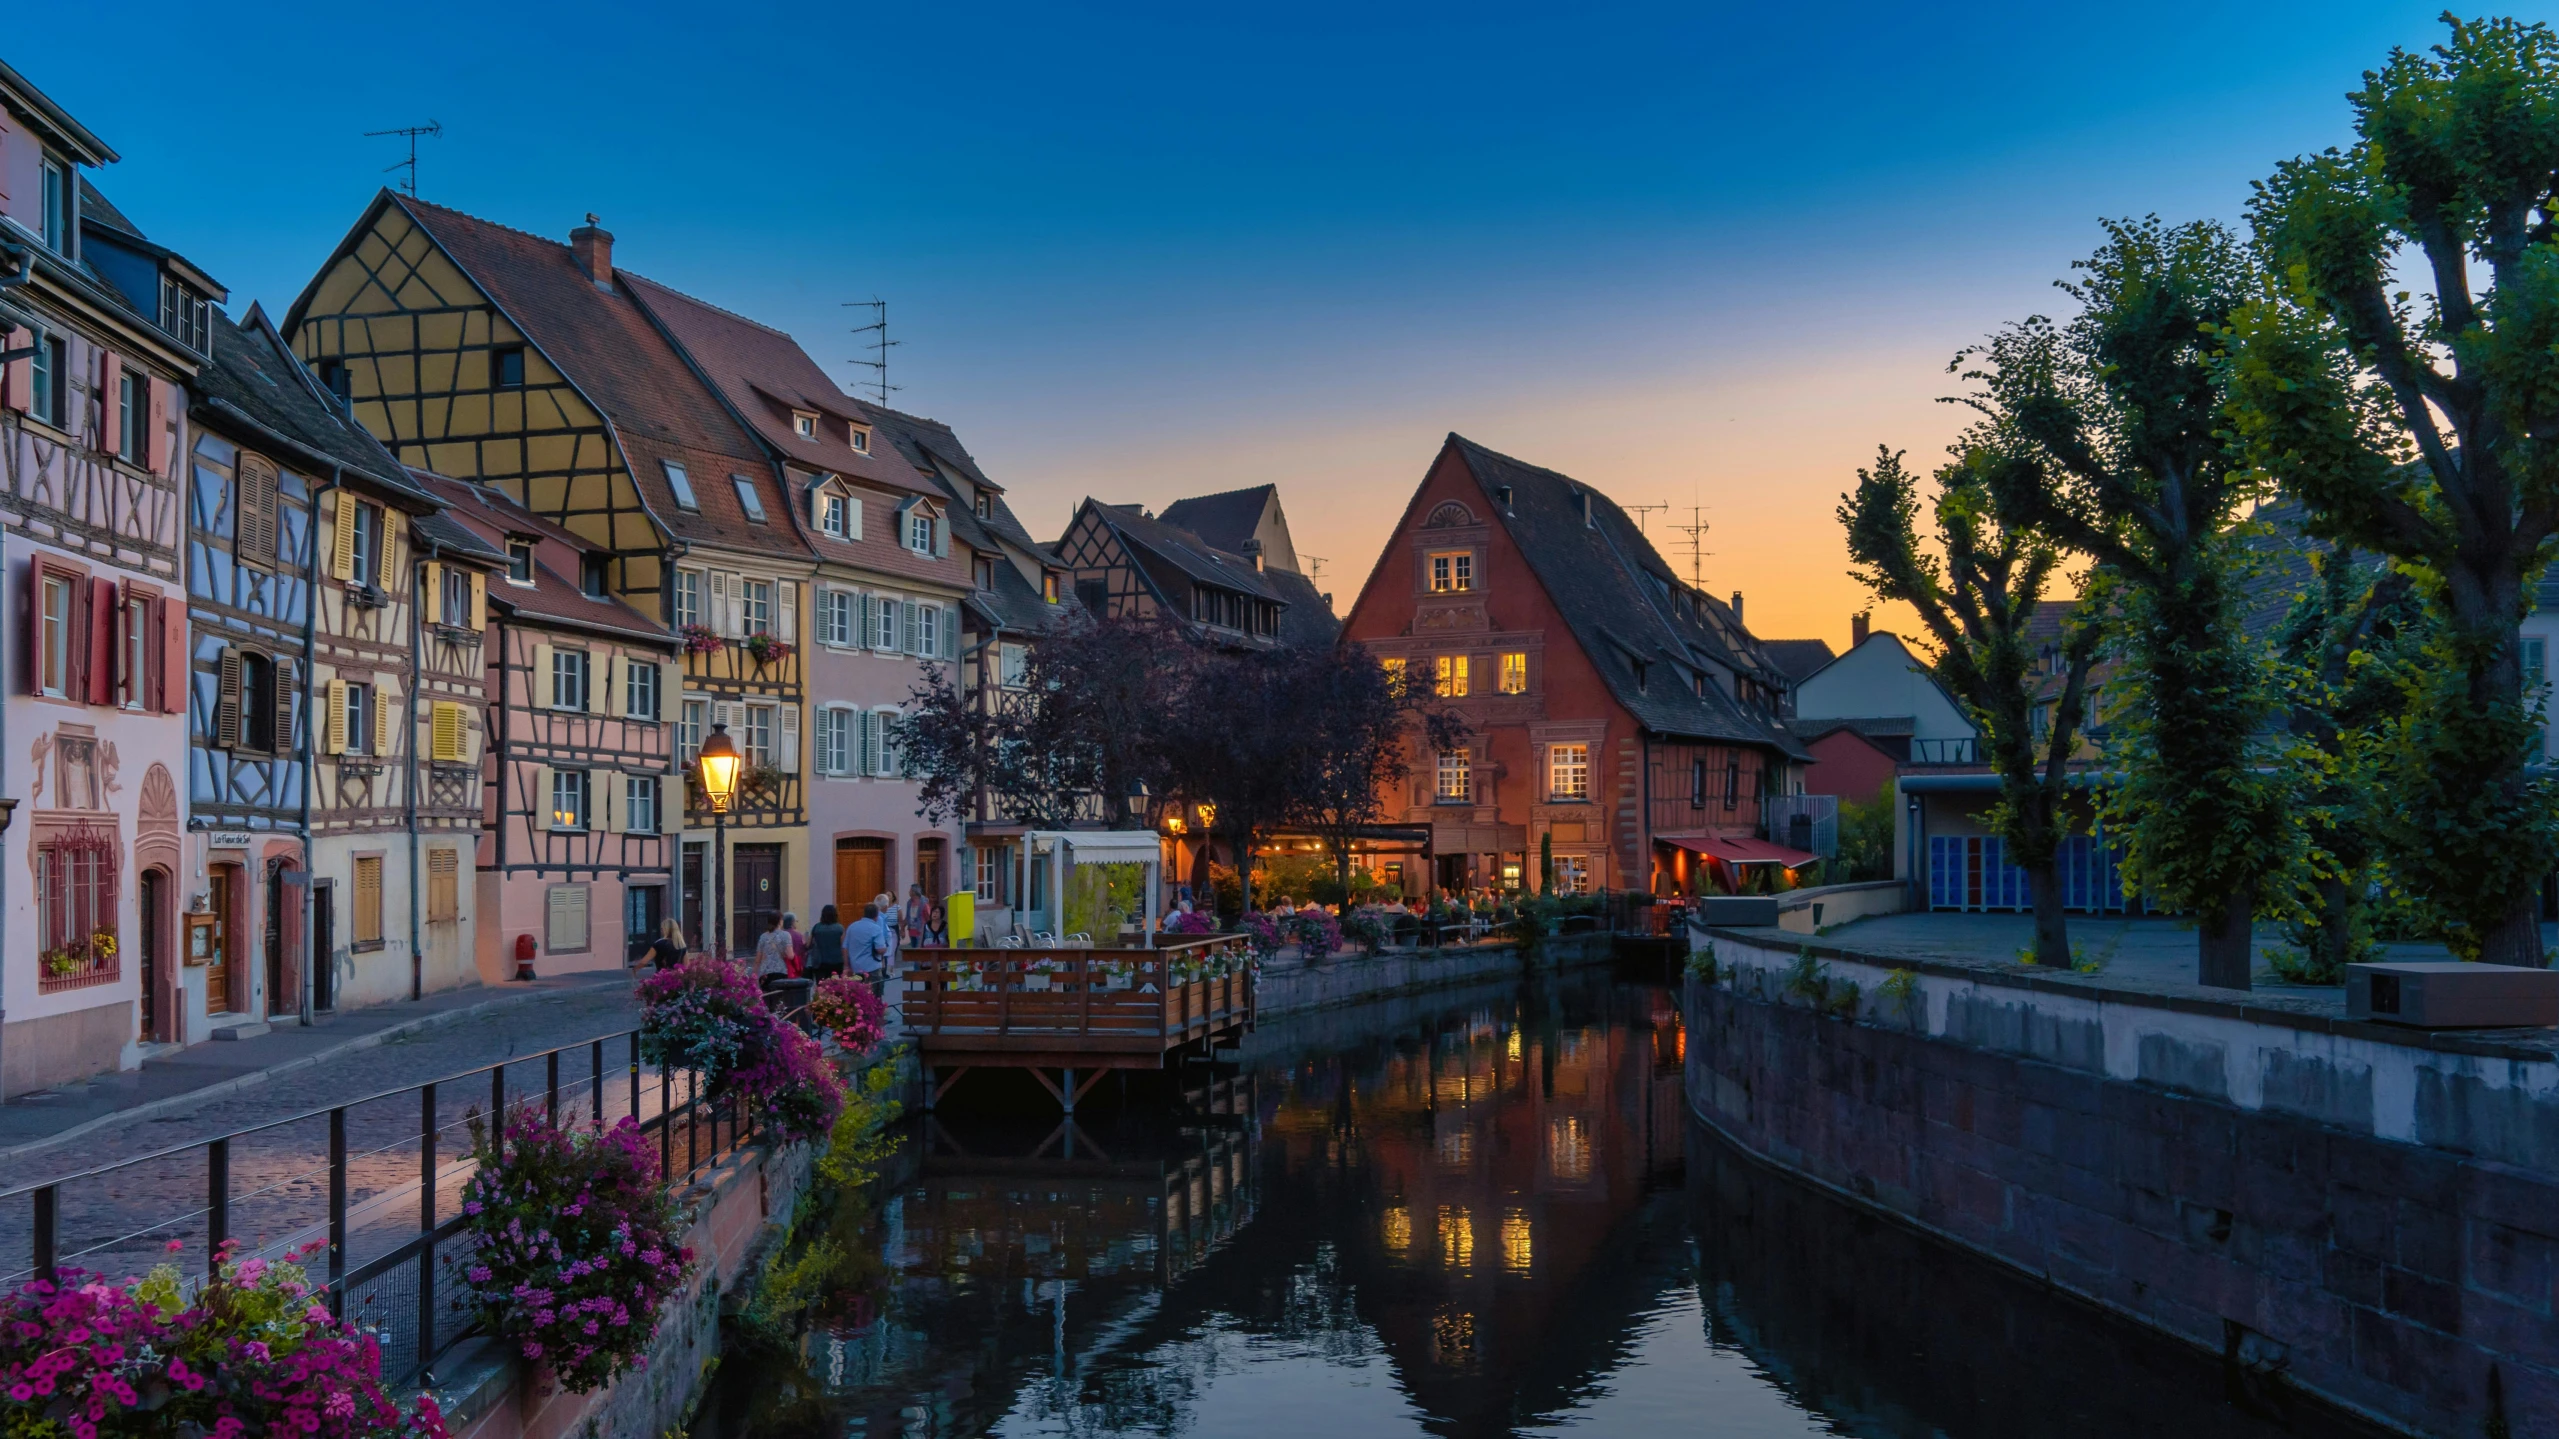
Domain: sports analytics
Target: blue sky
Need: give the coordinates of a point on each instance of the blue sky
(1699, 254)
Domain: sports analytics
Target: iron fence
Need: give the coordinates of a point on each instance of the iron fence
(376, 1182)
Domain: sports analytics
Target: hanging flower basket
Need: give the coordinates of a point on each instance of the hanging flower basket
(768, 650)
(702, 640)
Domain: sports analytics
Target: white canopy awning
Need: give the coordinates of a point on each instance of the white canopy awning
(1101, 846)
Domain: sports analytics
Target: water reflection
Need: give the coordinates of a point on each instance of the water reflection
(1457, 1218)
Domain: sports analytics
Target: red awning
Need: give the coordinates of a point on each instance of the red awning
(1737, 850)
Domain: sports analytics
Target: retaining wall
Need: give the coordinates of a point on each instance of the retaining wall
(2367, 1213)
(1352, 979)
(1810, 911)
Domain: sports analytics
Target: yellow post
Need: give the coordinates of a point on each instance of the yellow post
(959, 912)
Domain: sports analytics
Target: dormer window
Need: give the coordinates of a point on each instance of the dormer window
(748, 500)
(682, 485)
(804, 424)
(594, 575)
(919, 531)
(186, 315)
(506, 367)
(338, 380)
(985, 505)
(830, 514)
(519, 562)
(861, 440)
(57, 206)
(1049, 586)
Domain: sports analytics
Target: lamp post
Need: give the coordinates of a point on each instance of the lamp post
(719, 762)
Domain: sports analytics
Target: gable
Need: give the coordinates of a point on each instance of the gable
(1882, 678)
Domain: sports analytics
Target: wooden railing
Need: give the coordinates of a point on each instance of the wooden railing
(1125, 999)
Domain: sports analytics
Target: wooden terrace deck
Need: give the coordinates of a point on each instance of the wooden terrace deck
(1077, 1011)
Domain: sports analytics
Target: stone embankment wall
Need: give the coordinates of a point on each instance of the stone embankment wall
(2369, 1214)
(1293, 988)
(1810, 911)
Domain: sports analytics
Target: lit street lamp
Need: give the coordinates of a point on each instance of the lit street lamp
(719, 762)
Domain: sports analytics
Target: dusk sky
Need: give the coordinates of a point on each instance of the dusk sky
(1694, 255)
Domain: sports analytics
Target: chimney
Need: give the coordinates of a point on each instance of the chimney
(594, 251)
(1857, 629)
(1737, 607)
(1253, 547)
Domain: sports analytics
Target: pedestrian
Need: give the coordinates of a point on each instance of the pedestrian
(773, 955)
(919, 916)
(938, 915)
(799, 948)
(892, 939)
(826, 946)
(866, 946)
(668, 948)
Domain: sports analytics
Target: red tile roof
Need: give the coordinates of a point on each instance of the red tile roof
(552, 596)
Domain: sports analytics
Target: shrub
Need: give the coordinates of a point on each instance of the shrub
(847, 1008)
(705, 1016)
(1194, 921)
(862, 1141)
(1318, 932)
(1806, 980)
(251, 1352)
(1701, 963)
(577, 1248)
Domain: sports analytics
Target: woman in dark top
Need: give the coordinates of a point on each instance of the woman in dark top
(668, 948)
(826, 945)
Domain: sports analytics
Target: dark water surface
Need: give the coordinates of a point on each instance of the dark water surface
(1482, 1213)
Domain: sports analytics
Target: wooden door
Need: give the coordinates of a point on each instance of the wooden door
(693, 882)
(929, 871)
(324, 932)
(755, 894)
(155, 958)
(217, 970)
(861, 875)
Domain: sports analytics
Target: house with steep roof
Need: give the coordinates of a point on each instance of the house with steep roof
(1620, 715)
(1129, 563)
(489, 354)
(101, 330)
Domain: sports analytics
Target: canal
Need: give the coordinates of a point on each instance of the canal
(1480, 1213)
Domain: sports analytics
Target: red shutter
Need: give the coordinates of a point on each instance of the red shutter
(101, 641)
(159, 433)
(31, 626)
(17, 378)
(109, 371)
(177, 668)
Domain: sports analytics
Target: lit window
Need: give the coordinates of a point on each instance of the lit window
(1452, 571)
(748, 500)
(1452, 676)
(1395, 676)
(1049, 586)
(568, 799)
(1456, 776)
(1568, 771)
(519, 561)
(1514, 674)
(1572, 873)
(682, 485)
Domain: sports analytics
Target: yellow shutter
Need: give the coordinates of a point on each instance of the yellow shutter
(336, 742)
(447, 737)
(390, 566)
(382, 722)
(607, 799)
(342, 540)
(479, 600)
(544, 688)
(368, 899)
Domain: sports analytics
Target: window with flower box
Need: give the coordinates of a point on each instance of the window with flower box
(76, 941)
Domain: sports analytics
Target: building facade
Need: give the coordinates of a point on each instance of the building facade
(576, 847)
(103, 331)
(1618, 714)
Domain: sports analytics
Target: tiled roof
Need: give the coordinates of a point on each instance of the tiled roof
(1188, 553)
(1309, 621)
(605, 343)
(453, 537)
(1887, 727)
(1797, 658)
(1015, 606)
(490, 517)
(765, 375)
(1613, 589)
(924, 442)
(255, 381)
(1225, 520)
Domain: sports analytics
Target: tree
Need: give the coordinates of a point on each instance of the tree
(1077, 739)
(2118, 450)
(1351, 745)
(1978, 605)
(2422, 428)
(1230, 738)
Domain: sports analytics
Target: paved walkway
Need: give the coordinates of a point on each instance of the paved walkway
(219, 1086)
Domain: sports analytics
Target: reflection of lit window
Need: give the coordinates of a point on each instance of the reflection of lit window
(1518, 1251)
(1456, 1237)
(1512, 1048)
(1568, 1148)
(1453, 1338)
(1398, 1230)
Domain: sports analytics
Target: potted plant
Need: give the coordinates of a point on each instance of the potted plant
(701, 640)
(767, 649)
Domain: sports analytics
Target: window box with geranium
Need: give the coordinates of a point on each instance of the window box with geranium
(577, 1244)
(701, 640)
(768, 650)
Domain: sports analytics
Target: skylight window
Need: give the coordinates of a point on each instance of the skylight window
(682, 484)
(748, 499)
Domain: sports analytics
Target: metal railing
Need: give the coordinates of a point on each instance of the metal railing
(295, 1195)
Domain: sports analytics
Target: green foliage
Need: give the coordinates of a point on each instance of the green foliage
(1806, 980)
(1900, 993)
(1546, 863)
(2302, 966)
(861, 1140)
(1701, 963)
(1866, 838)
(1842, 999)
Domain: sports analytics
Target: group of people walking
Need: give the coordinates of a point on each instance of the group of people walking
(868, 946)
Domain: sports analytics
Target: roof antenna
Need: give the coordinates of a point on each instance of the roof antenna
(1695, 529)
(1639, 511)
(430, 129)
(1314, 575)
(879, 330)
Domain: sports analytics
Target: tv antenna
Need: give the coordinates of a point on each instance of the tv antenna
(1695, 529)
(878, 329)
(430, 129)
(1639, 511)
(1315, 572)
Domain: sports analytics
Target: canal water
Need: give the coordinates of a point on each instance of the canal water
(1481, 1213)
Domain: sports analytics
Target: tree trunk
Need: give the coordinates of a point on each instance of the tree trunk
(2052, 926)
(1244, 870)
(2517, 938)
(2332, 944)
(2223, 957)
(1342, 868)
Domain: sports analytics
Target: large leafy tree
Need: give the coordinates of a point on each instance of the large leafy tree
(2119, 451)
(2420, 422)
(1076, 738)
(1233, 739)
(1979, 604)
(1357, 725)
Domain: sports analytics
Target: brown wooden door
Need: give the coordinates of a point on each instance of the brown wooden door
(755, 893)
(861, 875)
(929, 871)
(217, 970)
(155, 958)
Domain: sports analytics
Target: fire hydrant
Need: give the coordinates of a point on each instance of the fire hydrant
(525, 949)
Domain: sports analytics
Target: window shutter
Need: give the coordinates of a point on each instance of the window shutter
(891, 762)
(159, 433)
(789, 746)
(546, 683)
(786, 599)
(288, 687)
(101, 640)
(604, 796)
(335, 727)
(566, 927)
(382, 720)
(390, 566)
(169, 642)
(226, 705)
(914, 623)
(18, 378)
(540, 777)
(727, 603)
(447, 735)
(342, 542)
(950, 632)
(479, 600)
(852, 513)
(110, 370)
(31, 628)
(941, 539)
(868, 613)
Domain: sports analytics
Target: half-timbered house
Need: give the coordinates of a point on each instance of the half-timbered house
(1625, 717)
(1128, 563)
(492, 355)
(576, 842)
(101, 330)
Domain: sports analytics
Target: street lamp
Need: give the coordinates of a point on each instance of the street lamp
(719, 762)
